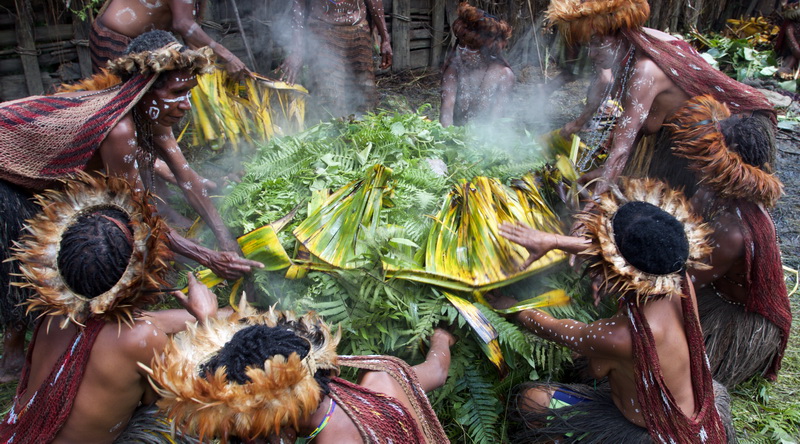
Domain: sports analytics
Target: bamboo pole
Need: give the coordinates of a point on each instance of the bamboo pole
(26, 47)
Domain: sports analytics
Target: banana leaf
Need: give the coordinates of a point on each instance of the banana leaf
(482, 327)
(464, 250)
(336, 231)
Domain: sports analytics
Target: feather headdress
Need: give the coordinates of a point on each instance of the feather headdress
(281, 393)
(697, 137)
(578, 20)
(171, 57)
(38, 251)
(605, 258)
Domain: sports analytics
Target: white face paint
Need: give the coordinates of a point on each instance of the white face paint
(131, 142)
(126, 16)
(179, 99)
(128, 158)
(153, 113)
(151, 4)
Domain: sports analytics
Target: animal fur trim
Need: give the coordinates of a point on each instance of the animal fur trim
(98, 82)
(604, 257)
(282, 393)
(578, 20)
(38, 251)
(791, 12)
(168, 58)
(697, 137)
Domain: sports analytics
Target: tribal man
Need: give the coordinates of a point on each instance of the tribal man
(743, 303)
(334, 38)
(476, 78)
(95, 257)
(120, 21)
(652, 75)
(272, 374)
(122, 129)
(639, 240)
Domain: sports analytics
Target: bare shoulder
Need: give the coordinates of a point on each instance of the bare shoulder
(502, 74)
(139, 341)
(609, 336)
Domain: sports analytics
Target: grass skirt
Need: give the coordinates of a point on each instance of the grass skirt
(596, 421)
(739, 344)
(15, 207)
(147, 426)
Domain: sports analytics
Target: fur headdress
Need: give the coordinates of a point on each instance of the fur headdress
(697, 137)
(171, 57)
(281, 392)
(791, 11)
(606, 259)
(38, 251)
(477, 29)
(578, 20)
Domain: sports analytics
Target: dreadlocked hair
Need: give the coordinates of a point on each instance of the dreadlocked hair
(650, 239)
(252, 346)
(751, 139)
(478, 30)
(95, 251)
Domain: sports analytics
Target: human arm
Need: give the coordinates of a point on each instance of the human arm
(225, 264)
(538, 243)
(449, 90)
(184, 23)
(293, 63)
(375, 9)
(645, 83)
(192, 186)
(790, 33)
(594, 98)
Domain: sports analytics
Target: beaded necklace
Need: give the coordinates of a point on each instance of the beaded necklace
(324, 421)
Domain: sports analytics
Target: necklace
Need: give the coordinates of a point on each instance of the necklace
(147, 150)
(324, 421)
(598, 136)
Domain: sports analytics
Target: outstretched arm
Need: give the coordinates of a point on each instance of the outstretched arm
(538, 243)
(594, 98)
(225, 264)
(185, 23)
(449, 90)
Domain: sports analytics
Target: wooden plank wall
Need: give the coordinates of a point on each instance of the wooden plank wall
(419, 32)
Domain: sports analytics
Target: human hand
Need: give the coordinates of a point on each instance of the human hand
(538, 243)
(499, 301)
(386, 55)
(291, 68)
(237, 69)
(229, 265)
(199, 301)
(570, 128)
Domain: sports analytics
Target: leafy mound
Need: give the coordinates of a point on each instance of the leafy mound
(394, 316)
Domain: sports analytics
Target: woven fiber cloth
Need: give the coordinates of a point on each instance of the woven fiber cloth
(664, 419)
(381, 418)
(342, 72)
(49, 407)
(105, 45)
(46, 138)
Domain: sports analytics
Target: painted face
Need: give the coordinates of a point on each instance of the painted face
(603, 50)
(168, 104)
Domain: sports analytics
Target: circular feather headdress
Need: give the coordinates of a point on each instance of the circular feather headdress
(578, 20)
(605, 257)
(38, 251)
(280, 393)
(697, 137)
(171, 57)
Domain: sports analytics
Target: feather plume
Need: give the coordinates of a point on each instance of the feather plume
(604, 256)
(38, 250)
(696, 137)
(282, 393)
(168, 58)
(578, 20)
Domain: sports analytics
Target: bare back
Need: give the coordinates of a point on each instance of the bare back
(112, 387)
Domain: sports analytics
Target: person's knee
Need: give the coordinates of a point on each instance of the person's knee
(535, 399)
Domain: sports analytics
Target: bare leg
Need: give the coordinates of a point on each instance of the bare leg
(433, 372)
(13, 353)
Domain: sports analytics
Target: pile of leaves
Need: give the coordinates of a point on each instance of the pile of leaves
(380, 315)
